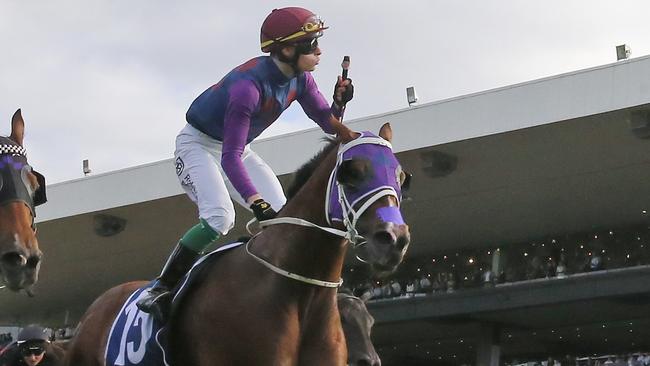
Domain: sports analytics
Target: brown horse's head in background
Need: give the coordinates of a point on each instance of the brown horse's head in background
(21, 189)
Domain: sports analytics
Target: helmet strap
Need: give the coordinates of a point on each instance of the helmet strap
(291, 61)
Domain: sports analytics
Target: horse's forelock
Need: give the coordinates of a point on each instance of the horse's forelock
(303, 173)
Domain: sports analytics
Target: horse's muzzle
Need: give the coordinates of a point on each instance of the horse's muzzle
(366, 361)
(387, 245)
(19, 268)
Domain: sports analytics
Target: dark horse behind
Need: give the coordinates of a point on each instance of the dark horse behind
(21, 189)
(273, 301)
(357, 326)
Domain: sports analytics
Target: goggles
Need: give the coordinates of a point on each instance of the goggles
(307, 47)
(32, 350)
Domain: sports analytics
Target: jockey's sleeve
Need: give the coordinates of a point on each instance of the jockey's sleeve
(244, 97)
(315, 105)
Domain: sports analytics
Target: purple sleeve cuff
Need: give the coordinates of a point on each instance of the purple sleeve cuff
(315, 105)
(242, 102)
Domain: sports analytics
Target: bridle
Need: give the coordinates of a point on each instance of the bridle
(14, 185)
(349, 215)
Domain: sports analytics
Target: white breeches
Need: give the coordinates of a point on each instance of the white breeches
(198, 167)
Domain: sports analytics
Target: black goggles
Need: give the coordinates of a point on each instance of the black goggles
(33, 350)
(306, 47)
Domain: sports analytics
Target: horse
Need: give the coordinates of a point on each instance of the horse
(356, 322)
(21, 190)
(273, 300)
(357, 325)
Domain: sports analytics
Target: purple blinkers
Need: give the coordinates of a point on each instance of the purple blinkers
(384, 180)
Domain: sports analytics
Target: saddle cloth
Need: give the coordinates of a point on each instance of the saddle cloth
(135, 338)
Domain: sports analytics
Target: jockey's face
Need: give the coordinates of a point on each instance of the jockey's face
(308, 62)
(33, 360)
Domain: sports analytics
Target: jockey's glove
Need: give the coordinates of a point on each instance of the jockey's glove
(343, 92)
(263, 210)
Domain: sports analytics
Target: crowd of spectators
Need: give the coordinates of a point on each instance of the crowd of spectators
(629, 359)
(553, 257)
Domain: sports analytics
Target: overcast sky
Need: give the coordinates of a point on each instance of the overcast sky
(110, 81)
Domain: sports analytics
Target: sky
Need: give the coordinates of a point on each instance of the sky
(110, 81)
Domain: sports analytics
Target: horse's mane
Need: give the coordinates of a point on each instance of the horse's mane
(304, 172)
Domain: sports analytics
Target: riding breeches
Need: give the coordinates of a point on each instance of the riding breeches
(198, 167)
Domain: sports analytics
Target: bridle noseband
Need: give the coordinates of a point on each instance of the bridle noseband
(349, 215)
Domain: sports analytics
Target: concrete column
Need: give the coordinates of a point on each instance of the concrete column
(488, 350)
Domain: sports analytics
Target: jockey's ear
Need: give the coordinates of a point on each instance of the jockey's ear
(352, 173)
(17, 128)
(386, 132)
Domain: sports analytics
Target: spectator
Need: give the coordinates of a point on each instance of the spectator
(395, 288)
(488, 278)
(451, 282)
(561, 270)
(386, 291)
(536, 269)
(425, 284)
(410, 288)
(32, 347)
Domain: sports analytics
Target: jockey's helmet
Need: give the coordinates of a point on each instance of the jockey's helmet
(32, 333)
(289, 26)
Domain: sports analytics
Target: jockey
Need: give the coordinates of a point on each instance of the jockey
(214, 161)
(29, 349)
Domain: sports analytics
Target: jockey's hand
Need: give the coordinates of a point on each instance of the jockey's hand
(345, 134)
(343, 91)
(263, 210)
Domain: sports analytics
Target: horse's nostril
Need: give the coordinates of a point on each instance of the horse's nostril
(14, 259)
(384, 237)
(363, 363)
(402, 241)
(33, 261)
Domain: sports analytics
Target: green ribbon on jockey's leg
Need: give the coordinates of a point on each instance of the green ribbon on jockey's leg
(199, 236)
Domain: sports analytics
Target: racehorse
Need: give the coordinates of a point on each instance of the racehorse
(357, 326)
(356, 322)
(273, 300)
(21, 190)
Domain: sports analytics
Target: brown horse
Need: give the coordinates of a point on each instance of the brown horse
(357, 326)
(273, 301)
(356, 322)
(21, 189)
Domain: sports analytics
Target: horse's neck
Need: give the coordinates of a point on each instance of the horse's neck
(307, 251)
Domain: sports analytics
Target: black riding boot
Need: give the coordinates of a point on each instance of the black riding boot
(158, 298)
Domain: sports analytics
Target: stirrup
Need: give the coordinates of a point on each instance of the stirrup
(156, 304)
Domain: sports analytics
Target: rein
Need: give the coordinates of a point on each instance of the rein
(351, 234)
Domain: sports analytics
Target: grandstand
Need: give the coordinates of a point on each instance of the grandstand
(559, 161)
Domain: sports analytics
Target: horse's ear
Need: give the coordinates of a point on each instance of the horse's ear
(386, 132)
(367, 295)
(17, 128)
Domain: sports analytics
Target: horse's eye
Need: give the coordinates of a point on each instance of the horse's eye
(25, 176)
(353, 173)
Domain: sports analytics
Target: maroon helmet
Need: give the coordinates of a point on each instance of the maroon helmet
(289, 25)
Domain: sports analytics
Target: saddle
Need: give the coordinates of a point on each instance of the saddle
(136, 338)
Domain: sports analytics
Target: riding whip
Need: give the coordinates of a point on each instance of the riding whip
(345, 65)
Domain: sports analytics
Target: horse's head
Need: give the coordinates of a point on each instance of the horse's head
(364, 194)
(21, 189)
(357, 325)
